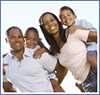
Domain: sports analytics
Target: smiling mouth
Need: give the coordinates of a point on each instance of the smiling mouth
(17, 44)
(53, 28)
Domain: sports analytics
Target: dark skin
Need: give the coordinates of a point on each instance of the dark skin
(8, 87)
(56, 87)
(92, 37)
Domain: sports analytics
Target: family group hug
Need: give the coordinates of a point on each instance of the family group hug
(30, 66)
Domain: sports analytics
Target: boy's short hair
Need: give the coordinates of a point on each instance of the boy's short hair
(67, 8)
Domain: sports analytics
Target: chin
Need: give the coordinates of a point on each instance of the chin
(18, 49)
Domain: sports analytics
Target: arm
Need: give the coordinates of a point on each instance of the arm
(56, 86)
(92, 59)
(8, 87)
(60, 72)
(86, 35)
(92, 37)
(39, 52)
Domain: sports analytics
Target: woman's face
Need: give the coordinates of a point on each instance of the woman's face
(50, 24)
(67, 17)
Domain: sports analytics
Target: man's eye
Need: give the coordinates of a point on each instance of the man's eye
(20, 37)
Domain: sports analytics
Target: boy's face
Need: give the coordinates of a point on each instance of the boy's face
(67, 18)
(31, 39)
(16, 39)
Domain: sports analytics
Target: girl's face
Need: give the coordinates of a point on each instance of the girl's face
(50, 24)
(67, 17)
(31, 39)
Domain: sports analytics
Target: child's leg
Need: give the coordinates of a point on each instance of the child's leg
(92, 58)
(56, 86)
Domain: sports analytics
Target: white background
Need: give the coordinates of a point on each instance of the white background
(26, 13)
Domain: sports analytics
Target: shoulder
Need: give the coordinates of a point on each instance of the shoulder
(6, 58)
(81, 32)
(81, 21)
(5, 55)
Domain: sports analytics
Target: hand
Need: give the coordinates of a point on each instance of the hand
(39, 52)
(92, 37)
(8, 87)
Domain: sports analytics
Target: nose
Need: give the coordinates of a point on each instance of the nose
(17, 39)
(66, 19)
(50, 24)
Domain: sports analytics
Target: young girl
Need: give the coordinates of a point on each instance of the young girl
(32, 44)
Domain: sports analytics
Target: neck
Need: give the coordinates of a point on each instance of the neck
(18, 54)
(56, 35)
(58, 40)
(72, 28)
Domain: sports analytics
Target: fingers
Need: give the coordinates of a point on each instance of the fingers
(38, 53)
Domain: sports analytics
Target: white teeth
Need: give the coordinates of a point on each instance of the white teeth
(52, 28)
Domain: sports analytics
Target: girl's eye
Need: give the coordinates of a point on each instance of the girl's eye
(68, 15)
(52, 20)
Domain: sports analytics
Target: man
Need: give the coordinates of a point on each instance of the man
(24, 72)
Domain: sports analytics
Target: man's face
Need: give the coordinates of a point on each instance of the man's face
(16, 39)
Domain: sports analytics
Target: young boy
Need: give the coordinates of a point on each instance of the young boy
(71, 19)
(24, 72)
(76, 36)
